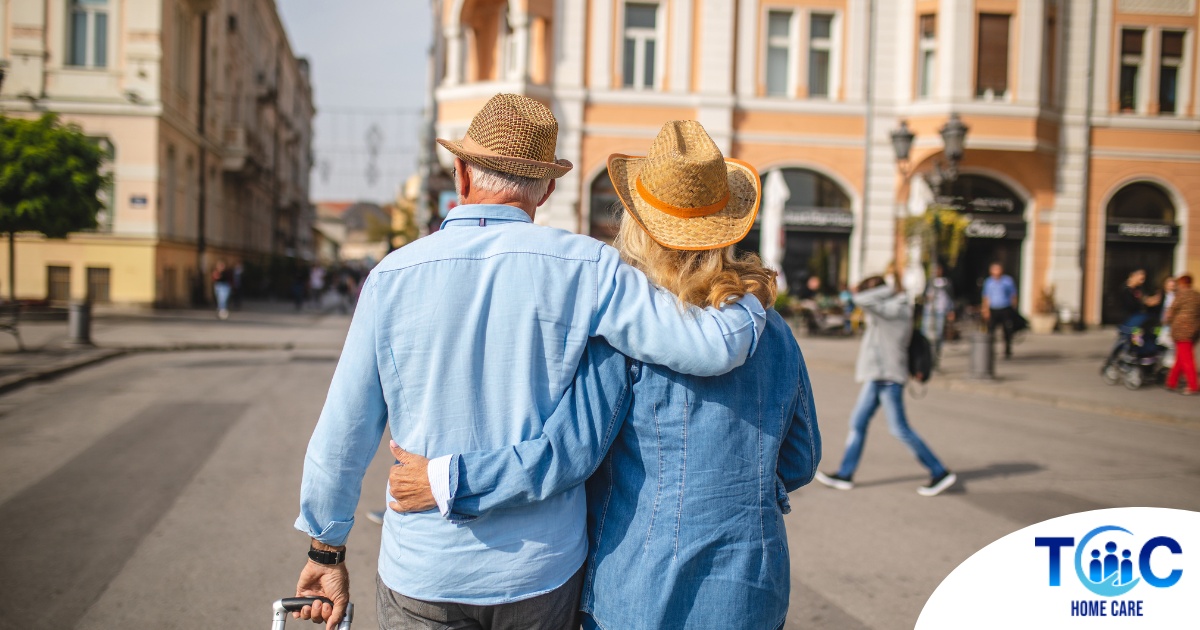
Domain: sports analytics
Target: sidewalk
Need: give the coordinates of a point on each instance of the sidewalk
(259, 326)
(1062, 370)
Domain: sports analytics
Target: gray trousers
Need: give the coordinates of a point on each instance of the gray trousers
(556, 610)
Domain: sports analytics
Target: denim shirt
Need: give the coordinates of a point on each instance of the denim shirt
(685, 514)
(465, 340)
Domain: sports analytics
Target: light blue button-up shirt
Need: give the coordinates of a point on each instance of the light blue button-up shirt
(463, 341)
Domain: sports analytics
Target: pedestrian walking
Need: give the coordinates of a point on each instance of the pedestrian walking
(1184, 318)
(452, 350)
(222, 278)
(316, 284)
(999, 307)
(883, 370)
(239, 272)
(937, 310)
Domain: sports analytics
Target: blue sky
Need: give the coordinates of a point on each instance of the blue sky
(368, 63)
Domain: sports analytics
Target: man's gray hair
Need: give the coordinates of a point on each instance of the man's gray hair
(520, 189)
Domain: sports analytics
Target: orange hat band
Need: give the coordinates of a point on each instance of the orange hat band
(677, 211)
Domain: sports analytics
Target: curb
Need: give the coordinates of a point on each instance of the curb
(100, 355)
(1062, 402)
(998, 390)
(17, 381)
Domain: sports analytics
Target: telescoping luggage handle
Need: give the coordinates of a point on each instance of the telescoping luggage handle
(283, 607)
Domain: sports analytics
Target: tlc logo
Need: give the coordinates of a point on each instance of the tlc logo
(1105, 560)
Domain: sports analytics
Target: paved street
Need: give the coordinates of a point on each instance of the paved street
(158, 490)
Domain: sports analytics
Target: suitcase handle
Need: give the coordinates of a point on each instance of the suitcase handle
(293, 604)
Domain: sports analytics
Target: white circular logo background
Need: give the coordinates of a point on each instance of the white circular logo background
(1117, 568)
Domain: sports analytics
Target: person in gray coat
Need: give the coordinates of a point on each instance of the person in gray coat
(883, 370)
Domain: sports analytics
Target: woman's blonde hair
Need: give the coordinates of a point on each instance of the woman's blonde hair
(702, 278)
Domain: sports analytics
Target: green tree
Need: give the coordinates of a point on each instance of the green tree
(49, 181)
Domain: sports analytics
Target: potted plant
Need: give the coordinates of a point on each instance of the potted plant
(1045, 313)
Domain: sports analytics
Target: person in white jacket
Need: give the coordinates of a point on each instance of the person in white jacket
(883, 370)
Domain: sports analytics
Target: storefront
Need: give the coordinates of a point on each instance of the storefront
(996, 233)
(1140, 233)
(817, 222)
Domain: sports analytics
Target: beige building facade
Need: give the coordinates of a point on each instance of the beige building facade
(208, 117)
(1082, 159)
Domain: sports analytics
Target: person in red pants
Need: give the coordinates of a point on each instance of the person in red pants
(1184, 319)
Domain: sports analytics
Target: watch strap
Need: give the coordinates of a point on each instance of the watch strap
(321, 556)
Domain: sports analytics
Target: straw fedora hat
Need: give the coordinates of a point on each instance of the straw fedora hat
(512, 134)
(684, 193)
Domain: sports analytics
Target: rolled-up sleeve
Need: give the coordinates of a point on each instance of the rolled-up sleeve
(651, 325)
(347, 433)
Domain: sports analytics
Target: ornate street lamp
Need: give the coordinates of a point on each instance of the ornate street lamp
(954, 136)
(944, 171)
(902, 140)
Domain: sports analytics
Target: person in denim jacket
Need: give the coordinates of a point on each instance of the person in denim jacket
(685, 511)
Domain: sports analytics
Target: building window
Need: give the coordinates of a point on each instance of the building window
(508, 46)
(820, 54)
(170, 186)
(98, 285)
(1050, 63)
(183, 49)
(779, 52)
(1132, 46)
(1171, 59)
(89, 34)
(926, 55)
(58, 283)
(641, 44)
(605, 209)
(991, 62)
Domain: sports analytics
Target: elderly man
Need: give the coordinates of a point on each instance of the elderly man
(458, 340)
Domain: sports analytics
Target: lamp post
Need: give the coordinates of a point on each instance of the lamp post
(942, 176)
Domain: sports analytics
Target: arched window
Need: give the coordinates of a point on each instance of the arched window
(810, 189)
(605, 209)
(1142, 201)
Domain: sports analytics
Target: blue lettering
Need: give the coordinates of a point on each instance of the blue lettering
(1144, 562)
(1127, 608)
(1089, 608)
(1055, 544)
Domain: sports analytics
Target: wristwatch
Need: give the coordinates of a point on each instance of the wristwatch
(330, 558)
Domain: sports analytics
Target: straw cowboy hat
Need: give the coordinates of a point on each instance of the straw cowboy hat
(685, 194)
(512, 134)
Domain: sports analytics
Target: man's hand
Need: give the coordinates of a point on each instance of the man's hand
(408, 482)
(332, 582)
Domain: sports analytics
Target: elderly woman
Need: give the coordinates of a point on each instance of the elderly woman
(685, 514)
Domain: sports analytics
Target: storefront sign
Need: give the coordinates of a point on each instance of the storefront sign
(1143, 232)
(819, 219)
(983, 229)
(998, 205)
(979, 228)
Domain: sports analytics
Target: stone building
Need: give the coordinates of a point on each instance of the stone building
(208, 117)
(1082, 158)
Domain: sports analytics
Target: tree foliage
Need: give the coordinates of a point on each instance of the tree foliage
(50, 177)
(942, 227)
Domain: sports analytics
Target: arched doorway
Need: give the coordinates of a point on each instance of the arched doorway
(604, 209)
(817, 222)
(1140, 233)
(995, 234)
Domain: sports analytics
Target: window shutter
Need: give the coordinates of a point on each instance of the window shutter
(991, 70)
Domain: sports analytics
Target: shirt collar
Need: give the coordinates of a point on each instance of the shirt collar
(476, 214)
